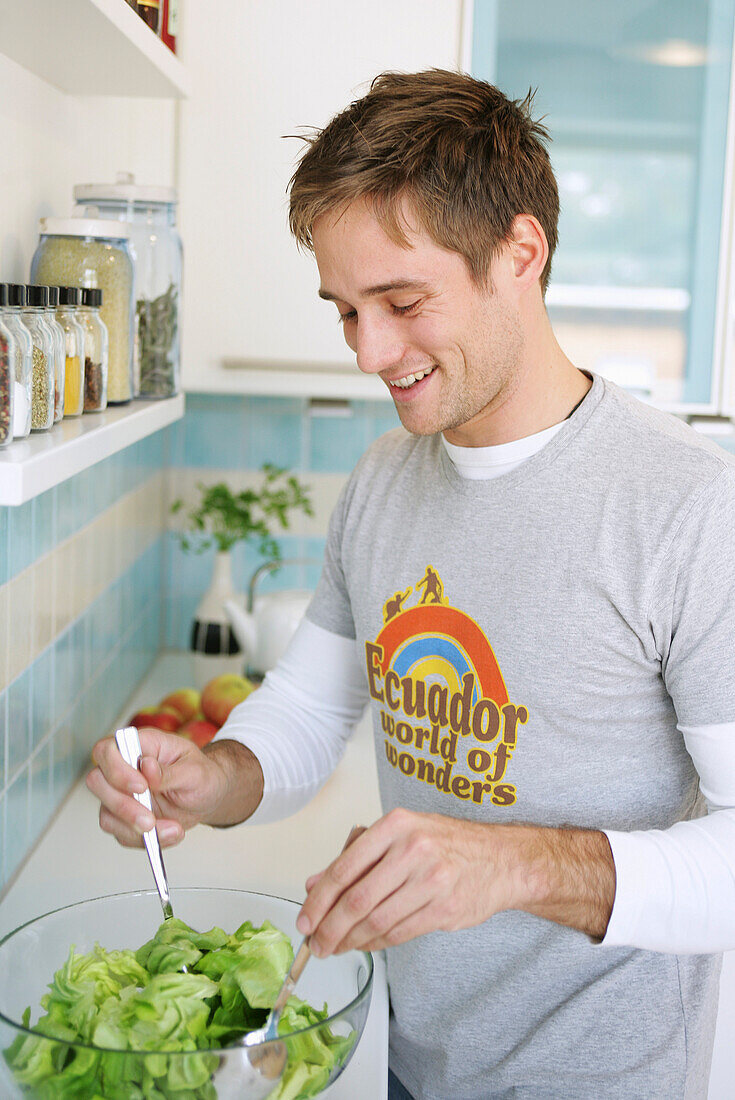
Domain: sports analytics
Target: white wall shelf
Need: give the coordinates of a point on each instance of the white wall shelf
(30, 466)
(90, 47)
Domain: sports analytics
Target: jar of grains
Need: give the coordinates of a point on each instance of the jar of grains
(150, 214)
(59, 353)
(42, 393)
(7, 376)
(12, 301)
(66, 314)
(90, 252)
(96, 350)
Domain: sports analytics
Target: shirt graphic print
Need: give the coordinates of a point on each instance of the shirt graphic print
(445, 711)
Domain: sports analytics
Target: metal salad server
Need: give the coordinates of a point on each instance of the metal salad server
(128, 743)
(270, 1029)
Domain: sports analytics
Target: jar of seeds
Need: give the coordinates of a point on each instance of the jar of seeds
(7, 374)
(92, 252)
(59, 353)
(96, 350)
(67, 315)
(42, 384)
(150, 214)
(12, 301)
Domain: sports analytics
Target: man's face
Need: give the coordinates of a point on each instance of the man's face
(449, 351)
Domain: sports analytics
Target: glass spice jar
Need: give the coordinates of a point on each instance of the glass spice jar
(69, 300)
(59, 353)
(7, 375)
(14, 297)
(150, 214)
(93, 252)
(44, 351)
(96, 350)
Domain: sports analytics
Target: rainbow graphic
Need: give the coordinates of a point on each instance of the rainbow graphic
(439, 644)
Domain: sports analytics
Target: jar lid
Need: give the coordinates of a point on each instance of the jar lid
(37, 296)
(92, 296)
(84, 227)
(16, 294)
(124, 188)
(3, 294)
(53, 296)
(70, 295)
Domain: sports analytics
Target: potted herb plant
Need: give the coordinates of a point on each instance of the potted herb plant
(222, 518)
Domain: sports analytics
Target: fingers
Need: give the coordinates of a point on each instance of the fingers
(114, 783)
(120, 804)
(363, 850)
(170, 833)
(365, 909)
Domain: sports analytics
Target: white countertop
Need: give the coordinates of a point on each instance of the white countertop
(76, 860)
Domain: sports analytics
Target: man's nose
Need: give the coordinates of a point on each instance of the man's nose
(378, 345)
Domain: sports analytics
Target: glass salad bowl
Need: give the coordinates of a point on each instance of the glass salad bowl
(124, 1058)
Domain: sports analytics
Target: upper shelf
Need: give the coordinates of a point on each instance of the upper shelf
(30, 466)
(90, 47)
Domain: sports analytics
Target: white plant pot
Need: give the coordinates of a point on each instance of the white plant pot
(216, 649)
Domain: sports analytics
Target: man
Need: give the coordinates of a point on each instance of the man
(549, 893)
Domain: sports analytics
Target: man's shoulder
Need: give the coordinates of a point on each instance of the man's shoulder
(662, 448)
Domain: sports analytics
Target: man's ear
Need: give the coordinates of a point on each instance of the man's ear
(529, 250)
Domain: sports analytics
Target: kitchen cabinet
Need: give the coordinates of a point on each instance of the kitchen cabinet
(637, 97)
(259, 73)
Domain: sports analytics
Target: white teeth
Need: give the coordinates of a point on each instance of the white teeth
(409, 380)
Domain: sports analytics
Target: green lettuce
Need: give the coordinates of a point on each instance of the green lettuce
(182, 993)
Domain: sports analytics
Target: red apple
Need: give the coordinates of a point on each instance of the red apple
(160, 718)
(199, 731)
(185, 701)
(222, 694)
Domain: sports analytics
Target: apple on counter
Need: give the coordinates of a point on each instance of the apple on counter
(194, 716)
(161, 718)
(222, 695)
(187, 701)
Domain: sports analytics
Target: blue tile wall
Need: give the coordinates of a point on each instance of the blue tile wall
(30, 530)
(242, 433)
(54, 711)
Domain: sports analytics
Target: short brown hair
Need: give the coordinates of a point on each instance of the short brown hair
(467, 158)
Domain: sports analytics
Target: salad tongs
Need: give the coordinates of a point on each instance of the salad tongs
(128, 743)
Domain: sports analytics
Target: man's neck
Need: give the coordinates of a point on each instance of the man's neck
(541, 398)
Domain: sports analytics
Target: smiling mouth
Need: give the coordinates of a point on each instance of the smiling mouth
(410, 379)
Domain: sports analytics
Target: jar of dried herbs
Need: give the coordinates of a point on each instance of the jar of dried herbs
(96, 351)
(59, 354)
(150, 213)
(93, 252)
(42, 381)
(7, 374)
(70, 298)
(12, 301)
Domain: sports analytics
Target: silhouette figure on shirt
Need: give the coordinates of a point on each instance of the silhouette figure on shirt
(432, 585)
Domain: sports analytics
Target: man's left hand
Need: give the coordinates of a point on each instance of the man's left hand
(414, 873)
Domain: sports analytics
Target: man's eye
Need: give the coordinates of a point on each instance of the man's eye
(407, 309)
(346, 316)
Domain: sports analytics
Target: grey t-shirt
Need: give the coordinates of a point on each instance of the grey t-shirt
(530, 644)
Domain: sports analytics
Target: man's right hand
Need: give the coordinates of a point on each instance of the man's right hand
(221, 785)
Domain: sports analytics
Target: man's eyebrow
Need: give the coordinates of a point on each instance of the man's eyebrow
(381, 288)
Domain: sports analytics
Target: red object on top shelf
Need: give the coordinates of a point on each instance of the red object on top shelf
(169, 23)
